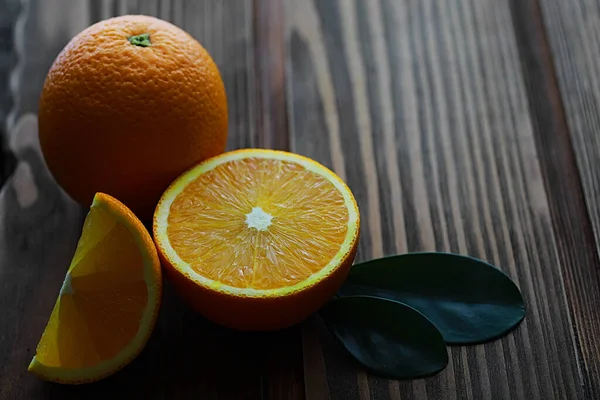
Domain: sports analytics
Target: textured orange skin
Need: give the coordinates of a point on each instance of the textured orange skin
(258, 313)
(127, 120)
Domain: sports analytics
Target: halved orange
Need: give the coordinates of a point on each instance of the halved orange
(109, 300)
(257, 239)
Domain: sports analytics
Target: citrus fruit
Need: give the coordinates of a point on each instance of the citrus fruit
(257, 239)
(128, 105)
(108, 302)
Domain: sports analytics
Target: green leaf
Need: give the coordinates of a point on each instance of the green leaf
(387, 337)
(468, 300)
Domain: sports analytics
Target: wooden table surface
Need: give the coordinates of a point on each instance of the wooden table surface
(469, 126)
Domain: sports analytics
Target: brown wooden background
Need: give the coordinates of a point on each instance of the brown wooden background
(461, 125)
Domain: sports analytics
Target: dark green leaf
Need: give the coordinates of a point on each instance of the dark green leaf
(387, 337)
(468, 300)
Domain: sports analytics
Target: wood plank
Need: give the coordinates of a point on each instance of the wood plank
(572, 30)
(269, 45)
(572, 27)
(566, 187)
(187, 356)
(422, 108)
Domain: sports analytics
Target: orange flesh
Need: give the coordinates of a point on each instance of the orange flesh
(104, 289)
(211, 225)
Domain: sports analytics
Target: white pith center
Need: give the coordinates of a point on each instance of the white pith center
(258, 219)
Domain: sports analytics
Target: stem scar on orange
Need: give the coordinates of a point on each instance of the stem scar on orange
(129, 104)
(257, 239)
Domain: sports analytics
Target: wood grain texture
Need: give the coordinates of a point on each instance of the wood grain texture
(572, 29)
(422, 107)
(271, 112)
(566, 187)
(187, 357)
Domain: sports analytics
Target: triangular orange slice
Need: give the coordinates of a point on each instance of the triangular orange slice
(109, 300)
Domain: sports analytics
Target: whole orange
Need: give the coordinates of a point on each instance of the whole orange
(128, 105)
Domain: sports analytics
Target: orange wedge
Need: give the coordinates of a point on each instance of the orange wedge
(257, 239)
(108, 302)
